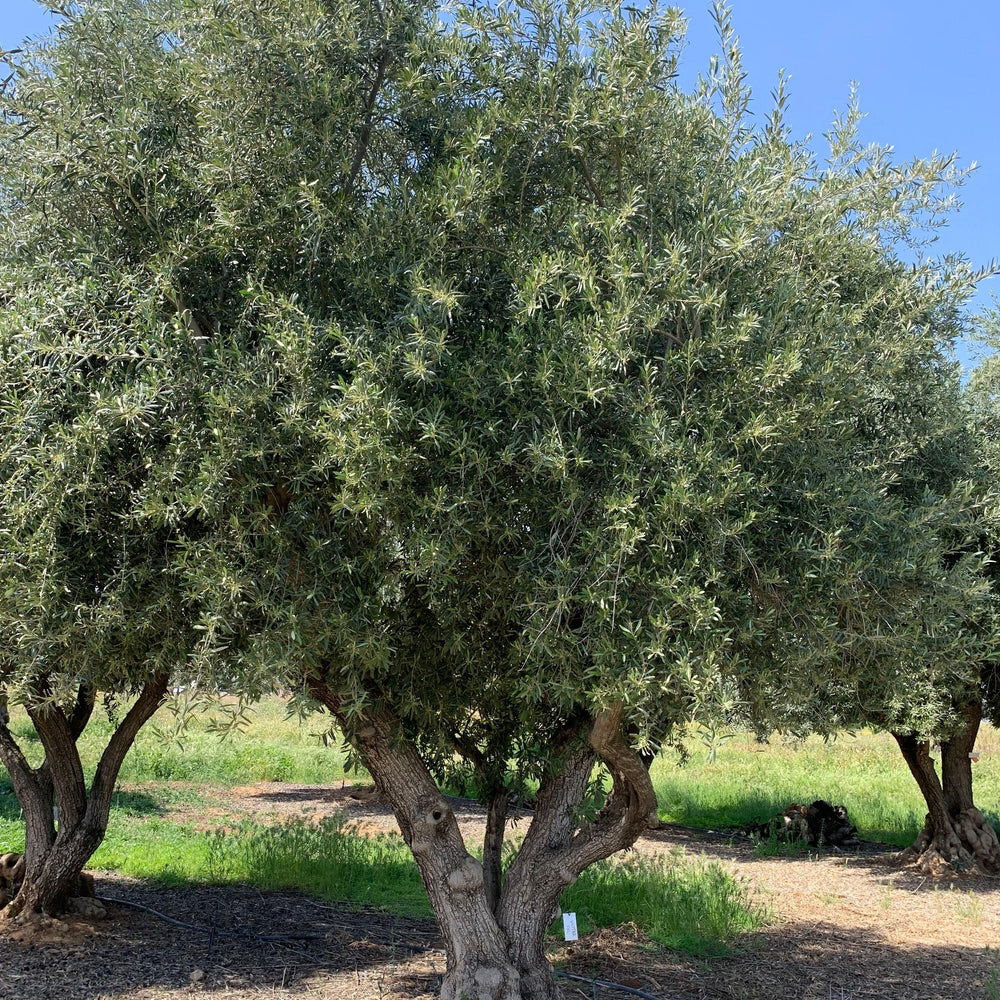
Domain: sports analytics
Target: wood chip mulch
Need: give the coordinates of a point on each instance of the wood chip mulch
(847, 926)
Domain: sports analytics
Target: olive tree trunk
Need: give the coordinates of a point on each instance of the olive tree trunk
(955, 832)
(494, 933)
(56, 850)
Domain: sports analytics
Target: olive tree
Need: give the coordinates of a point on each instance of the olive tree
(470, 376)
(102, 371)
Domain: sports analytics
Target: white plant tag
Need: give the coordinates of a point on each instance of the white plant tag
(569, 927)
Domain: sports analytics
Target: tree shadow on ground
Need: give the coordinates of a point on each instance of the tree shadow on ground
(233, 940)
(137, 804)
(130, 803)
(810, 960)
(285, 945)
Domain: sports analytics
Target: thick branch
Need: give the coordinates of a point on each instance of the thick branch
(62, 761)
(956, 766)
(21, 774)
(82, 710)
(916, 753)
(122, 739)
(631, 807)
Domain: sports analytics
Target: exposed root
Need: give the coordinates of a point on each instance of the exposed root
(968, 846)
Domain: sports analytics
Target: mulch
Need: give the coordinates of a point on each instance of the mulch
(847, 926)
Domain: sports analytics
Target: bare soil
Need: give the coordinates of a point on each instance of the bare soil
(847, 926)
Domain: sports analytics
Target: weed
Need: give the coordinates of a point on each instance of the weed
(969, 909)
(885, 896)
(992, 985)
(774, 846)
(692, 906)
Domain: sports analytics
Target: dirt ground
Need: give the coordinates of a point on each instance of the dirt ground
(847, 927)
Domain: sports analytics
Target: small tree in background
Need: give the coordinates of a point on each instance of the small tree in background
(475, 379)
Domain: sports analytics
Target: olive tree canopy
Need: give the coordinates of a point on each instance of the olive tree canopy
(467, 374)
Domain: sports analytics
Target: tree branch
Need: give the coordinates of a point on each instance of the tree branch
(62, 761)
(589, 178)
(366, 130)
(21, 774)
(82, 710)
(122, 739)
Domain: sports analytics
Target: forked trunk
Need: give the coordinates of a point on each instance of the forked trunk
(495, 935)
(557, 849)
(478, 964)
(56, 851)
(955, 832)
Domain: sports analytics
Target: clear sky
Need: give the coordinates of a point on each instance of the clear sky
(928, 76)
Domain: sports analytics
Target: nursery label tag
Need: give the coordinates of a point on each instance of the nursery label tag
(569, 927)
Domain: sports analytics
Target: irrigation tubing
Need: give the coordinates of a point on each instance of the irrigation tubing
(245, 935)
(606, 984)
(214, 932)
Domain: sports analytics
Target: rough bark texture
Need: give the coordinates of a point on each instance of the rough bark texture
(955, 834)
(496, 825)
(479, 967)
(557, 849)
(56, 851)
(494, 935)
(478, 964)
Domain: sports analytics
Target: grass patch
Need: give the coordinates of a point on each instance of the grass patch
(777, 847)
(326, 860)
(272, 747)
(694, 906)
(865, 772)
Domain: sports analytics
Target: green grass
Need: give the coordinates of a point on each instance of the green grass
(694, 906)
(327, 860)
(272, 747)
(866, 773)
(690, 905)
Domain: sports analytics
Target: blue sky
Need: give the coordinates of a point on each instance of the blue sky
(928, 76)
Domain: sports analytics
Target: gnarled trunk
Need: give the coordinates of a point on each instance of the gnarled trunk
(955, 832)
(495, 934)
(56, 850)
(478, 964)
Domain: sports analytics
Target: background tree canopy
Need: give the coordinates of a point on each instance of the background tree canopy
(467, 375)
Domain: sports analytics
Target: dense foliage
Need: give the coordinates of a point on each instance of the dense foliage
(467, 373)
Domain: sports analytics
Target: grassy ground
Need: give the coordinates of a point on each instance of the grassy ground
(169, 820)
(865, 772)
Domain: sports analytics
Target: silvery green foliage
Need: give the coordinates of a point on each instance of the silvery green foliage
(463, 359)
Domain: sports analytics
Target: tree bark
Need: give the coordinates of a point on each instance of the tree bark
(955, 834)
(56, 853)
(557, 849)
(479, 967)
(495, 949)
(478, 964)
(497, 809)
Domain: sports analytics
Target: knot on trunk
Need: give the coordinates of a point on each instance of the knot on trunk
(467, 877)
(431, 817)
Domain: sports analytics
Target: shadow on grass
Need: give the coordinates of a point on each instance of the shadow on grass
(137, 804)
(129, 803)
(10, 808)
(729, 817)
